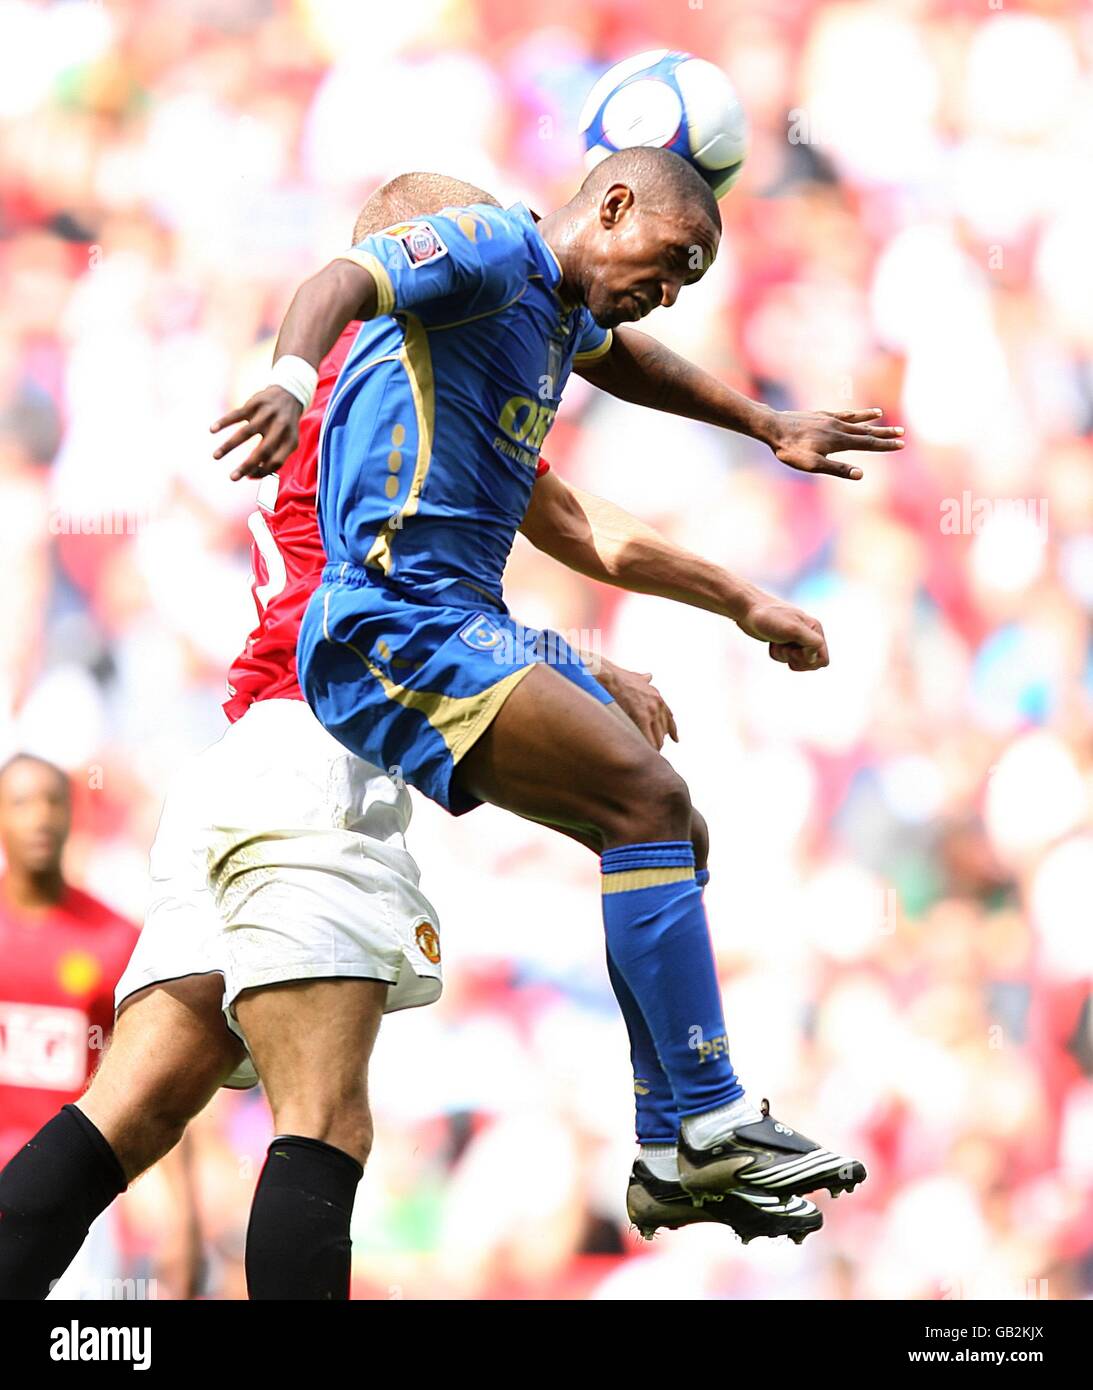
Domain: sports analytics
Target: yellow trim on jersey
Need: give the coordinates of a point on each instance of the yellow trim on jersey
(460, 720)
(593, 353)
(417, 362)
(336, 397)
(629, 880)
(385, 291)
(469, 223)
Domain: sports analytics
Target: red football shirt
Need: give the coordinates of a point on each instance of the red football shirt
(287, 556)
(58, 970)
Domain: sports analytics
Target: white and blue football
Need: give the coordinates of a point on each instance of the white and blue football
(672, 100)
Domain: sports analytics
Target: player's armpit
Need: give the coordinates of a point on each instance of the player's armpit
(630, 369)
(342, 291)
(603, 370)
(372, 287)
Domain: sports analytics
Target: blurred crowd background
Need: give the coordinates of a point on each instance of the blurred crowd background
(902, 855)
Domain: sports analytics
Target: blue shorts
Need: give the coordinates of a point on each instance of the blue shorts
(410, 686)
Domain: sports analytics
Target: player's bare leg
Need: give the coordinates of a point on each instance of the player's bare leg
(555, 754)
(170, 1052)
(311, 1042)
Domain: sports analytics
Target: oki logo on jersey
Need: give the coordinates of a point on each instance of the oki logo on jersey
(420, 242)
(42, 1047)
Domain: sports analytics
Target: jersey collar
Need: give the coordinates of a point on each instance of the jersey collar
(552, 268)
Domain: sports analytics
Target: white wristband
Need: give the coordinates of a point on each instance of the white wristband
(297, 377)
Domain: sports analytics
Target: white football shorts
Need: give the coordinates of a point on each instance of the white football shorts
(282, 856)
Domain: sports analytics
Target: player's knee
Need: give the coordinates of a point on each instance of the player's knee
(655, 804)
(141, 1118)
(345, 1123)
(670, 804)
(354, 1136)
(166, 1107)
(162, 1131)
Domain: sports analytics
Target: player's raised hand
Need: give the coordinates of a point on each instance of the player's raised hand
(274, 414)
(803, 439)
(793, 637)
(637, 696)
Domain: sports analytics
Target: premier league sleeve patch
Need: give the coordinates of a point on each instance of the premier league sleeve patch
(420, 242)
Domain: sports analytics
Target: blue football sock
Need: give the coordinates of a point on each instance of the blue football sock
(656, 1117)
(658, 942)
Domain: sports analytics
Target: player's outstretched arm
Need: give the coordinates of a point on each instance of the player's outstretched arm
(602, 541)
(320, 310)
(639, 369)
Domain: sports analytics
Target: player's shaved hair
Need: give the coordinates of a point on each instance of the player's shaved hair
(17, 758)
(412, 195)
(659, 179)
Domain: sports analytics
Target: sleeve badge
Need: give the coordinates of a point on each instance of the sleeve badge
(420, 242)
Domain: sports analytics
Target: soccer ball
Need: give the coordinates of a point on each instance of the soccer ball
(673, 100)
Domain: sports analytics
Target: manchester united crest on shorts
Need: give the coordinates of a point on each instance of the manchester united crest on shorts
(420, 242)
(428, 942)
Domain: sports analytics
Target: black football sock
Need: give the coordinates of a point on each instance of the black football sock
(50, 1193)
(298, 1238)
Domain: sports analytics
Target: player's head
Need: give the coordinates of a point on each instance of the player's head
(646, 224)
(412, 195)
(35, 813)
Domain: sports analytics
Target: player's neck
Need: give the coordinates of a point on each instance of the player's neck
(560, 233)
(33, 890)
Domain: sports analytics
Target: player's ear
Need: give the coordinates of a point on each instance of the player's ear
(615, 204)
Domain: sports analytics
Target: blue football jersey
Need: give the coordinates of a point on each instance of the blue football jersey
(431, 440)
